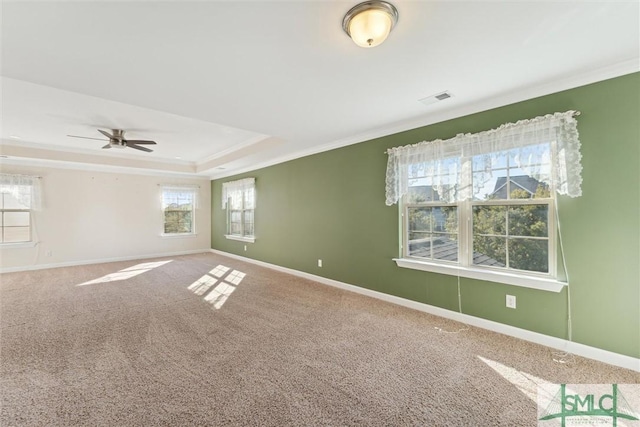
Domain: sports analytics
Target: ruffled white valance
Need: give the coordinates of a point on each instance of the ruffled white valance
(24, 188)
(236, 191)
(547, 148)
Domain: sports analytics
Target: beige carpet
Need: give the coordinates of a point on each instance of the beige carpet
(207, 340)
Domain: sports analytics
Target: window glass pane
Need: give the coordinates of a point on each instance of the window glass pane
(11, 202)
(420, 193)
(16, 234)
(528, 220)
(178, 221)
(536, 157)
(420, 219)
(490, 251)
(489, 220)
(445, 219)
(501, 175)
(489, 161)
(236, 228)
(529, 254)
(249, 198)
(488, 187)
(420, 245)
(522, 186)
(248, 223)
(178, 200)
(433, 232)
(433, 181)
(13, 219)
(445, 247)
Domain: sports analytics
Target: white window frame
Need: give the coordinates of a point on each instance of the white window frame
(180, 188)
(464, 267)
(239, 189)
(27, 190)
(28, 242)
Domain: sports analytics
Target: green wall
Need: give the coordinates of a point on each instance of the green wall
(331, 206)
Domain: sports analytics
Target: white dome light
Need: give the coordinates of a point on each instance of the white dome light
(369, 23)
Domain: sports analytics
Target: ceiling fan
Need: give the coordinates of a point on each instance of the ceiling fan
(117, 140)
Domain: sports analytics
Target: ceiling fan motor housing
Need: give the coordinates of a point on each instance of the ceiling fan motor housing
(118, 140)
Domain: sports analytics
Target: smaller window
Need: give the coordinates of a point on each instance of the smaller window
(239, 199)
(19, 197)
(178, 206)
(15, 221)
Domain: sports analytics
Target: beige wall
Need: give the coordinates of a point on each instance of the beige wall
(99, 216)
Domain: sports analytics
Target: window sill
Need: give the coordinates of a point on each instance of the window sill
(178, 235)
(240, 238)
(540, 283)
(18, 245)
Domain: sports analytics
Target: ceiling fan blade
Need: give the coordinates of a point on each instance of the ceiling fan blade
(107, 146)
(86, 137)
(137, 147)
(106, 134)
(139, 141)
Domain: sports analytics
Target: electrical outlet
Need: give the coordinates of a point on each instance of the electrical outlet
(49, 252)
(245, 248)
(319, 263)
(511, 301)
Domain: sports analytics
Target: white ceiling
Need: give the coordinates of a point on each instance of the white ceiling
(231, 86)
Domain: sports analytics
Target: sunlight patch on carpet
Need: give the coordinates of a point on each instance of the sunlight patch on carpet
(526, 383)
(126, 273)
(227, 285)
(202, 285)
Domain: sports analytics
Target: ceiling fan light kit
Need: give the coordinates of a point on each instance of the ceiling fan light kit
(369, 23)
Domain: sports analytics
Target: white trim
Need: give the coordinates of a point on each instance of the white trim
(582, 350)
(99, 261)
(178, 235)
(540, 283)
(240, 238)
(18, 245)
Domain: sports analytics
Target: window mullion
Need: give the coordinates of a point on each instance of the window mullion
(464, 211)
(465, 224)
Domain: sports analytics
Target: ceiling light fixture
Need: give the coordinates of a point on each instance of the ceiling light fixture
(369, 23)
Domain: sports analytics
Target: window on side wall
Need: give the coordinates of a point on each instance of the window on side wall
(178, 208)
(239, 201)
(483, 205)
(504, 226)
(19, 197)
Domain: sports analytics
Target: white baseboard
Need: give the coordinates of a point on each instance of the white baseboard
(98, 261)
(578, 349)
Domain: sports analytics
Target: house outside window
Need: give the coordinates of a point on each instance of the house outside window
(239, 201)
(484, 205)
(178, 207)
(19, 197)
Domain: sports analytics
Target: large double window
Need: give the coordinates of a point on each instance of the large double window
(486, 202)
(19, 196)
(504, 226)
(239, 200)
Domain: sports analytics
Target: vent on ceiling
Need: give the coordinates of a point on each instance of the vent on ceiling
(432, 99)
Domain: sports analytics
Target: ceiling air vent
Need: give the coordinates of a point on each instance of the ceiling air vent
(432, 99)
